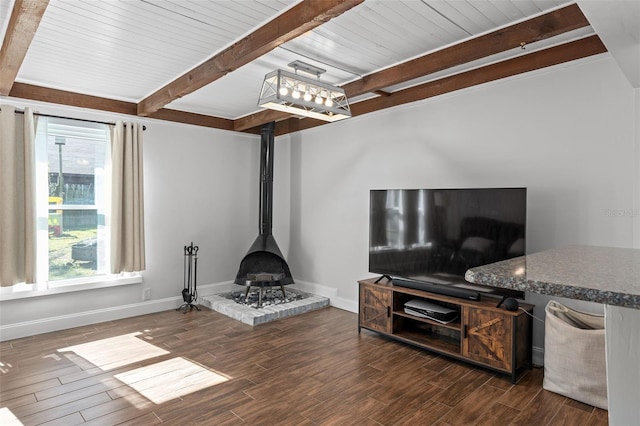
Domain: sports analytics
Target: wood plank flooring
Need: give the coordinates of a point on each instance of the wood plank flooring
(312, 369)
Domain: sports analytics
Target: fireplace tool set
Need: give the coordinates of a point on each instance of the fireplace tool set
(189, 291)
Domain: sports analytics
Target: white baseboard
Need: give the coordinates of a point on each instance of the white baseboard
(330, 292)
(345, 304)
(216, 288)
(63, 322)
(538, 356)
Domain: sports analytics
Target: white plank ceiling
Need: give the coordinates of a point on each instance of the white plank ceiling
(128, 49)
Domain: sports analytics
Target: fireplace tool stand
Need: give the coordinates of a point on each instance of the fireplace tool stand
(190, 271)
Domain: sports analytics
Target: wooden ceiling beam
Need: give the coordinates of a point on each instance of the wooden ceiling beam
(23, 24)
(63, 97)
(260, 118)
(195, 119)
(293, 23)
(533, 61)
(539, 28)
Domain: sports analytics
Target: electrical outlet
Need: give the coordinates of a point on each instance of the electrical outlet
(146, 293)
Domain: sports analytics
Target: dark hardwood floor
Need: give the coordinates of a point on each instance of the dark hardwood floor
(313, 369)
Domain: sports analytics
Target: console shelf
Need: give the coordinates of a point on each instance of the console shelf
(483, 334)
(455, 325)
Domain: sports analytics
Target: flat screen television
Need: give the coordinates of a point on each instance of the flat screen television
(428, 238)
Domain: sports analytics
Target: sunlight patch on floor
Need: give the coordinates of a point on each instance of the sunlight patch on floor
(115, 352)
(154, 383)
(170, 379)
(4, 368)
(7, 418)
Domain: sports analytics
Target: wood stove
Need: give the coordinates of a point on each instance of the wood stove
(264, 265)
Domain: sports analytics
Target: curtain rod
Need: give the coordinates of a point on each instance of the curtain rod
(19, 111)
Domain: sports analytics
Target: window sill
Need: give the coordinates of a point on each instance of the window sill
(76, 285)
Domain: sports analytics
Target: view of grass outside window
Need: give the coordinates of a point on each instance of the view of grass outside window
(77, 157)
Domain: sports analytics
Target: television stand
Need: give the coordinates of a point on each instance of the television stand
(483, 334)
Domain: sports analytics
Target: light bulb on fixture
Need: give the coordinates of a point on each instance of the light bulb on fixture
(284, 91)
(329, 101)
(318, 99)
(295, 93)
(307, 96)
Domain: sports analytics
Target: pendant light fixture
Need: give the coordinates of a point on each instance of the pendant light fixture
(299, 95)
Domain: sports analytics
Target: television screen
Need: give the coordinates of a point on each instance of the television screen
(435, 235)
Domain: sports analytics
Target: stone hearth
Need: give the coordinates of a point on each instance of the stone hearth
(297, 302)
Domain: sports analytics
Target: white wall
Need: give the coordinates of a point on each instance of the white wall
(566, 133)
(201, 185)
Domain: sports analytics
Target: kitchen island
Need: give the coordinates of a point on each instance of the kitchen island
(606, 275)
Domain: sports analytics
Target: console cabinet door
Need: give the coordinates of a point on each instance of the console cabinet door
(487, 337)
(375, 308)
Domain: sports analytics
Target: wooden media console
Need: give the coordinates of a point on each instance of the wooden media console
(483, 334)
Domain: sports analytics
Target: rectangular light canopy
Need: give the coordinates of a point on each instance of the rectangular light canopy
(285, 91)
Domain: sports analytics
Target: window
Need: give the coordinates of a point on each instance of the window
(72, 199)
(60, 208)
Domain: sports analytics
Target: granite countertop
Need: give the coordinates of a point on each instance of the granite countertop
(597, 274)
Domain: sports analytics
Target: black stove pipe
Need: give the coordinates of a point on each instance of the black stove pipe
(266, 179)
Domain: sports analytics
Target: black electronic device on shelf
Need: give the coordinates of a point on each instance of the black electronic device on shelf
(433, 311)
(427, 239)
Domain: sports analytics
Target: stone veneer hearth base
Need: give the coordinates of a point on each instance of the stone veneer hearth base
(254, 316)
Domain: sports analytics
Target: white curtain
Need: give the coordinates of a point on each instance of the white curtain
(17, 197)
(127, 199)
